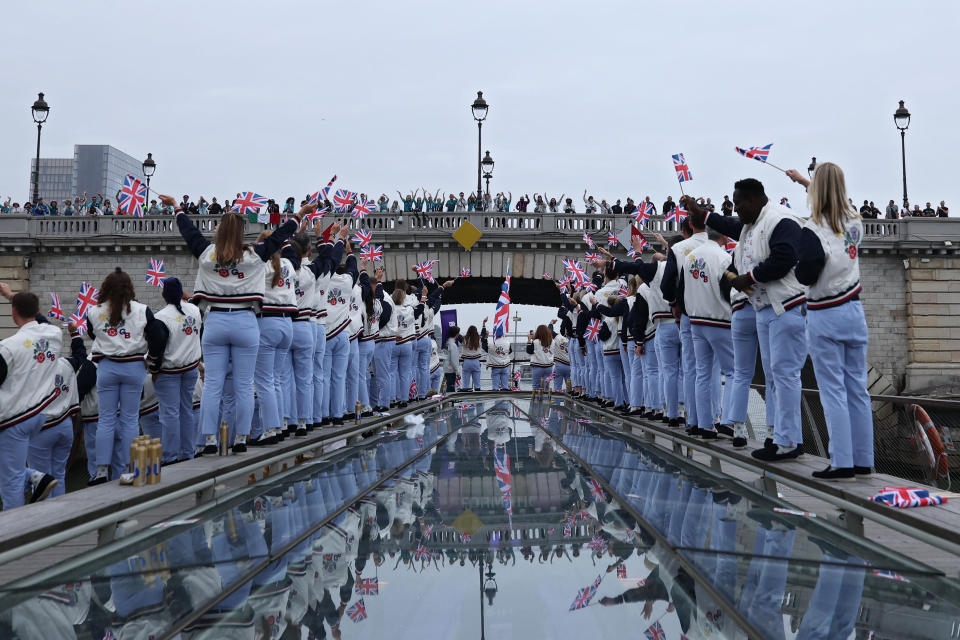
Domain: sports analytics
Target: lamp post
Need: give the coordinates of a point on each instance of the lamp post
(812, 167)
(487, 165)
(901, 117)
(479, 109)
(149, 166)
(40, 111)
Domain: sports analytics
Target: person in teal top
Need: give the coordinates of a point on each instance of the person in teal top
(472, 203)
(451, 203)
(408, 200)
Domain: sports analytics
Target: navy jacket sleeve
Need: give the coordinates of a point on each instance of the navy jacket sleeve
(668, 286)
(483, 339)
(78, 352)
(434, 298)
(291, 254)
(811, 258)
(351, 267)
(617, 310)
(86, 378)
(385, 314)
(783, 253)
(335, 256)
(156, 334)
(272, 244)
(638, 318)
(646, 270)
(530, 348)
(566, 302)
(319, 264)
(727, 225)
(195, 240)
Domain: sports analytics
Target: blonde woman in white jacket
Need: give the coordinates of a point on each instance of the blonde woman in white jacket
(541, 356)
(451, 367)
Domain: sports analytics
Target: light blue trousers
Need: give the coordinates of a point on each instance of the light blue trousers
(175, 411)
(690, 375)
(119, 385)
(335, 356)
(14, 447)
(668, 355)
(743, 332)
(783, 348)
(636, 390)
(403, 355)
(470, 378)
(538, 376)
(712, 345)
(423, 366)
(302, 348)
(366, 349)
(652, 389)
(626, 365)
(352, 386)
(613, 371)
(319, 373)
(383, 374)
(838, 348)
(229, 340)
(562, 371)
(276, 335)
(49, 451)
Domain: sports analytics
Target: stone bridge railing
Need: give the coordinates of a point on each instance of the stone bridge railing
(25, 234)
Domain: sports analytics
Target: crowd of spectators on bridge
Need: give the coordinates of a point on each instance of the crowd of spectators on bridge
(422, 201)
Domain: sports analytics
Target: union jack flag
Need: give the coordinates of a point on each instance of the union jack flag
(757, 153)
(465, 537)
(677, 214)
(343, 200)
(248, 202)
(562, 282)
(567, 531)
(546, 274)
(591, 257)
(516, 376)
(88, 297)
(597, 543)
(362, 237)
(464, 273)
(587, 239)
(631, 253)
(425, 269)
(363, 208)
(413, 389)
(155, 273)
(316, 214)
(584, 596)
(597, 491)
(730, 246)
(358, 611)
(903, 497)
(55, 310)
(501, 468)
(322, 193)
(680, 166)
(133, 195)
(644, 245)
(611, 239)
(890, 575)
(501, 317)
(593, 330)
(80, 321)
(584, 420)
(655, 632)
(621, 570)
(368, 587)
(574, 268)
(643, 212)
(109, 635)
(373, 253)
(421, 553)
(623, 292)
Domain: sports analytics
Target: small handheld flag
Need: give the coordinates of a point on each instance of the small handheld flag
(368, 587)
(55, 311)
(364, 208)
(316, 214)
(88, 297)
(611, 239)
(546, 275)
(682, 169)
(80, 321)
(362, 237)
(677, 214)
(358, 611)
(588, 239)
(373, 253)
(501, 317)
(655, 632)
(425, 269)
(758, 153)
(591, 257)
(464, 273)
(516, 376)
(248, 202)
(155, 273)
(133, 195)
(593, 330)
(621, 570)
(343, 200)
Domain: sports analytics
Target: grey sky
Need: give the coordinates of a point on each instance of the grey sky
(232, 96)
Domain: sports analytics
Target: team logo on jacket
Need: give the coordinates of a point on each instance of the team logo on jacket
(227, 270)
(698, 269)
(336, 297)
(284, 278)
(189, 325)
(500, 351)
(60, 384)
(41, 350)
(851, 242)
(114, 330)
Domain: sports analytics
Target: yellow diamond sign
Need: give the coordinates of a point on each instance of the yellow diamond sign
(467, 235)
(467, 522)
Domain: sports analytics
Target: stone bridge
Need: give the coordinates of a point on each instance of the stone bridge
(911, 287)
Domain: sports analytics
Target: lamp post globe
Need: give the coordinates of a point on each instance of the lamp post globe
(487, 165)
(479, 109)
(39, 110)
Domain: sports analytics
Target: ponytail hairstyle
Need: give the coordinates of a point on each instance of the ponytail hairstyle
(274, 259)
(116, 292)
(300, 243)
(633, 283)
(827, 196)
(399, 292)
(173, 292)
(472, 339)
(228, 239)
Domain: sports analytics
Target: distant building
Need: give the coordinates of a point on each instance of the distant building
(94, 168)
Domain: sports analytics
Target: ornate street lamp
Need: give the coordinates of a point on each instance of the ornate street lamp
(149, 166)
(901, 117)
(487, 166)
(40, 111)
(479, 109)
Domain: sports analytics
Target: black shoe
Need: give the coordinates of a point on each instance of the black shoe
(739, 443)
(725, 430)
(674, 422)
(637, 412)
(313, 425)
(239, 447)
(773, 453)
(650, 415)
(301, 433)
(709, 434)
(260, 441)
(280, 435)
(668, 421)
(325, 422)
(624, 409)
(694, 431)
(47, 484)
(366, 414)
(845, 474)
(402, 405)
(209, 450)
(292, 429)
(862, 471)
(92, 482)
(337, 422)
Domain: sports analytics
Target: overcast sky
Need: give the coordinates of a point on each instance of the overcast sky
(277, 96)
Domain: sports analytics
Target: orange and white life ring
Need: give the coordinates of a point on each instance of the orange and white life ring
(928, 441)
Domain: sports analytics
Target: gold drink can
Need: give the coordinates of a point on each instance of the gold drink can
(139, 465)
(224, 434)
